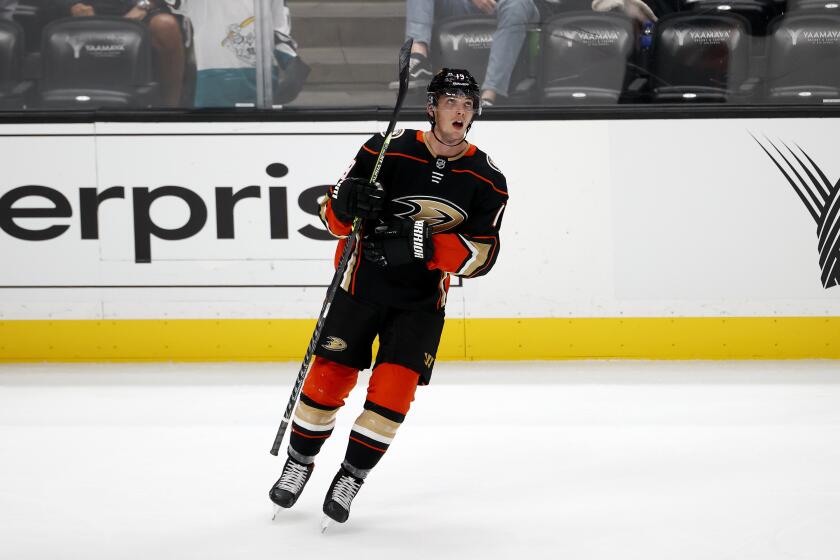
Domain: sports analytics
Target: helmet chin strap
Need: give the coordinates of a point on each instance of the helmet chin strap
(458, 143)
(461, 141)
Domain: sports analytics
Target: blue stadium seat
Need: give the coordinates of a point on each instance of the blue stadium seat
(700, 57)
(96, 62)
(584, 57)
(804, 58)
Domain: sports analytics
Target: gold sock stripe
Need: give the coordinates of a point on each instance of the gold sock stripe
(314, 419)
(376, 427)
(676, 338)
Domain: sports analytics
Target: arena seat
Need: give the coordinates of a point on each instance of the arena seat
(465, 41)
(584, 57)
(757, 12)
(13, 87)
(700, 57)
(804, 58)
(33, 15)
(95, 62)
(826, 5)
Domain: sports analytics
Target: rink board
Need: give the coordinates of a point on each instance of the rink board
(708, 338)
(639, 239)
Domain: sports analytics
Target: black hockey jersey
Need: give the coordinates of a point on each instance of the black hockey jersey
(462, 198)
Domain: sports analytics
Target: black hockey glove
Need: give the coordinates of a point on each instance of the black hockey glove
(398, 242)
(357, 198)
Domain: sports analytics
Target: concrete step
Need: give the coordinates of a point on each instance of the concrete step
(351, 64)
(345, 95)
(347, 23)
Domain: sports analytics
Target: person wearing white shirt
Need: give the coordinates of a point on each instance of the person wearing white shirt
(225, 48)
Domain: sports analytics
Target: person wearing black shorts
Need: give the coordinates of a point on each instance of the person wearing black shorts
(164, 29)
(439, 215)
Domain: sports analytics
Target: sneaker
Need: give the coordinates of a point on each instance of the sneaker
(343, 489)
(289, 486)
(419, 73)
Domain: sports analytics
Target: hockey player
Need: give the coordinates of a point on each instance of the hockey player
(438, 215)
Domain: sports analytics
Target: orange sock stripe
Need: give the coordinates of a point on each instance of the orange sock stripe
(368, 445)
(301, 434)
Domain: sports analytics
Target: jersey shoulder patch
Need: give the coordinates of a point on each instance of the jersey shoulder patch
(396, 134)
(484, 164)
(493, 165)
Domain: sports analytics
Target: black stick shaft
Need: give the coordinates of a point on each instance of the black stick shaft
(349, 247)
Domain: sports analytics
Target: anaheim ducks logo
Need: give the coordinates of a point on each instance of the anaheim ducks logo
(440, 214)
(335, 344)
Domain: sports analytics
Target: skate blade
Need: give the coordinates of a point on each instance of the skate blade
(276, 511)
(326, 522)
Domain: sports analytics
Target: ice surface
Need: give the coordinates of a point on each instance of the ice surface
(572, 460)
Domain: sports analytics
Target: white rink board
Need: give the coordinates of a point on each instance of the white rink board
(606, 219)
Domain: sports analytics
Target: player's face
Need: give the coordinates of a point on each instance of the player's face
(453, 114)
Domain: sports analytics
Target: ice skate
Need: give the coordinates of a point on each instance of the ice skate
(289, 486)
(343, 489)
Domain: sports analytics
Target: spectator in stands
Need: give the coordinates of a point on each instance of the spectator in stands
(226, 52)
(7, 9)
(167, 41)
(635, 9)
(513, 17)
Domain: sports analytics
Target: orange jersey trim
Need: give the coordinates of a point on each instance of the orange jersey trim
(449, 254)
(336, 226)
(468, 151)
(421, 160)
(488, 181)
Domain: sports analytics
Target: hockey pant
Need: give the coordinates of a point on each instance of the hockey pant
(389, 396)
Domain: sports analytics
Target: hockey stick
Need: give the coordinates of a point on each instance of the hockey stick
(405, 53)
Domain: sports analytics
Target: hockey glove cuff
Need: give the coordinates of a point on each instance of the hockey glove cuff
(399, 242)
(357, 198)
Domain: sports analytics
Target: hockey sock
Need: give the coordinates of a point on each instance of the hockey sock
(311, 426)
(326, 387)
(390, 394)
